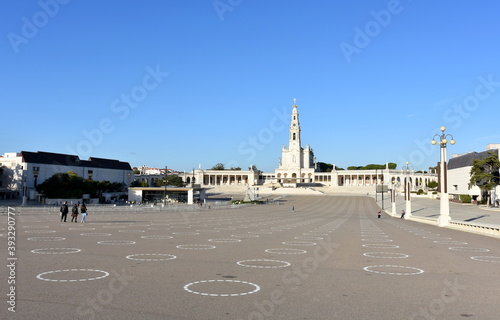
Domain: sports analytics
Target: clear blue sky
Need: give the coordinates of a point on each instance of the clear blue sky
(177, 83)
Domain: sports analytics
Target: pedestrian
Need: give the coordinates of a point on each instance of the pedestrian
(293, 209)
(83, 211)
(402, 214)
(64, 211)
(379, 214)
(74, 213)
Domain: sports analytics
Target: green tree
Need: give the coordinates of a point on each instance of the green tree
(64, 185)
(170, 180)
(484, 174)
(324, 167)
(252, 167)
(218, 166)
(432, 184)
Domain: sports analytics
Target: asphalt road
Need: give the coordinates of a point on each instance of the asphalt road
(331, 258)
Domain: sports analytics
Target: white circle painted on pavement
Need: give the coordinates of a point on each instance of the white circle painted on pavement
(380, 246)
(256, 288)
(225, 240)
(46, 238)
(449, 242)
(161, 257)
(187, 233)
(285, 251)
(40, 231)
(308, 238)
(56, 250)
(390, 270)
(195, 246)
(157, 237)
(468, 249)
(386, 255)
(263, 263)
(486, 259)
(40, 276)
(115, 242)
(299, 243)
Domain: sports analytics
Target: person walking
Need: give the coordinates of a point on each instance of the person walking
(74, 213)
(64, 211)
(402, 214)
(83, 211)
(379, 214)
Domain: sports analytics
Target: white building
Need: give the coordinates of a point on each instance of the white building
(459, 167)
(297, 167)
(23, 171)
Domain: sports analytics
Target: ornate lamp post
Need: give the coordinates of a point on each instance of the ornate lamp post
(393, 197)
(444, 207)
(407, 189)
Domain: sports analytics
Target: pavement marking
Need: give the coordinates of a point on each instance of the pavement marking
(157, 237)
(380, 246)
(244, 263)
(468, 249)
(195, 246)
(186, 287)
(486, 259)
(115, 242)
(130, 231)
(35, 227)
(449, 242)
(386, 255)
(285, 251)
(55, 250)
(417, 270)
(133, 257)
(377, 240)
(245, 235)
(46, 238)
(225, 240)
(299, 243)
(40, 231)
(95, 234)
(82, 228)
(186, 233)
(72, 270)
(308, 238)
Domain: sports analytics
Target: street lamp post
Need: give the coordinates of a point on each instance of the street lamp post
(444, 207)
(166, 182)
(393, 198)
(407, 189)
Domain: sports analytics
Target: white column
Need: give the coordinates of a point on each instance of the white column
(444, 208)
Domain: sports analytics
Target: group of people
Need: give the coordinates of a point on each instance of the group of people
(74, 212)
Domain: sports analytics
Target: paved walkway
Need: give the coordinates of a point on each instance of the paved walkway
(462, 213)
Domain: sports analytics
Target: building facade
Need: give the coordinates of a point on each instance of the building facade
(297, 167)
(459, 167)
(22, 172)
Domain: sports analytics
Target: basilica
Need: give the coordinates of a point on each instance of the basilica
(297, 168)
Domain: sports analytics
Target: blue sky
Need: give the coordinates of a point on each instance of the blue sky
(178, 83)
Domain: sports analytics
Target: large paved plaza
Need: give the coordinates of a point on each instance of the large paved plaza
(331, 258)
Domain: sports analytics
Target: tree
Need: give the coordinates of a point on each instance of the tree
(252, 167)
(170, 180)
(218, 166)
(432, 184)
(235, 168)
(324, 167)
(484, 174)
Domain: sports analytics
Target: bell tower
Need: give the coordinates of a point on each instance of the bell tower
(294, 143)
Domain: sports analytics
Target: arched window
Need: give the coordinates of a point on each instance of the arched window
(293, 137)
